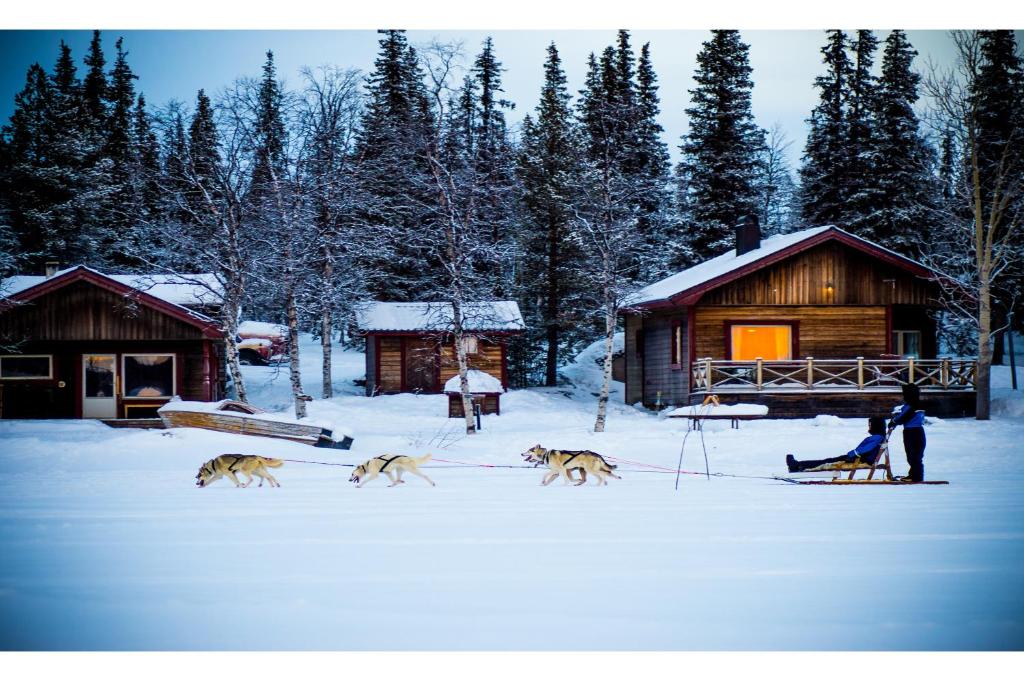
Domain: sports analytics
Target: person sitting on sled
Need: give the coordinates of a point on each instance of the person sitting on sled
(866, 452)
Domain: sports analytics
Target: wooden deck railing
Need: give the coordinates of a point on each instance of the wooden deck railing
(715, 375)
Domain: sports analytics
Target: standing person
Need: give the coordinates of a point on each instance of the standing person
(910, 415)
(866, 452)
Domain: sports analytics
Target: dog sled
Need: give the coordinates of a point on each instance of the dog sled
(838, 472)
(230, 416)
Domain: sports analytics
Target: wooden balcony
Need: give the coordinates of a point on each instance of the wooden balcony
(831, 375)
(846, 387)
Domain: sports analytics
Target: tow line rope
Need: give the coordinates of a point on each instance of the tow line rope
(654, 468)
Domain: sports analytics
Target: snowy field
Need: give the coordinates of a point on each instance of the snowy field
(105, 543)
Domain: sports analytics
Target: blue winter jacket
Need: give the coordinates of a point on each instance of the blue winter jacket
(908, 417)
(867, 450)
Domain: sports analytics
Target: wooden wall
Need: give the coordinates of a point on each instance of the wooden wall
(489, 359)
(825, 332)
(82, 311)
(390, 363)
(649, 369)
(857, 279)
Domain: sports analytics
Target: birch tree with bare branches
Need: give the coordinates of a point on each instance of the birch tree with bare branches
(986, 206)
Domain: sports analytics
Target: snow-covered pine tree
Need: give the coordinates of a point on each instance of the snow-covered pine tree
(861, 148)
(396, 129)
(121, 213)
(902, 183)
(722, 151)
(999, 96)
(824, 175)
(549, 168)
(650, 165)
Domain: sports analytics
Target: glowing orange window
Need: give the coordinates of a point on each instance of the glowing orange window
(750, 341)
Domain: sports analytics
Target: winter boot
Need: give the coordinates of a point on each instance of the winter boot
(792, 464)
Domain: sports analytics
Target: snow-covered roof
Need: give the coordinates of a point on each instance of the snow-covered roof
(179, 289)
(479, 382)
(262, 329)
(721, 265)
(496, 315)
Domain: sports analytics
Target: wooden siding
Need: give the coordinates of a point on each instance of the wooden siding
(390, 363)
(824, 332)
(634, 359)
(856, 278)
(371, 365)
(648, 351)
(396, 351)
(84, 312)
(489, 359)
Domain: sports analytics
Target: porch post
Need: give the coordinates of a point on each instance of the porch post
(910, 369)
(707, 374)
(944, 372)
(860, 373)
(810, 373)
(759, 372)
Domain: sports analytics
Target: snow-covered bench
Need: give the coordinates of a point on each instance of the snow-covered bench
(698, 413)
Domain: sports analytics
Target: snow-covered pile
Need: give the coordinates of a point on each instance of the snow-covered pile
(479, 382)
(262, 329)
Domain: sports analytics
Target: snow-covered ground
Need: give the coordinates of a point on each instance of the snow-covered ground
(105, 543)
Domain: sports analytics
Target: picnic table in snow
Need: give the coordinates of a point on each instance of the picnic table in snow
(734, 412)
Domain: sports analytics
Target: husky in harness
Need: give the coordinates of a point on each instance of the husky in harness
(391, 465)
(563, 462)
(230, 464)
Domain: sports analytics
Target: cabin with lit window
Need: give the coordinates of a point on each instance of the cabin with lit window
(410, 347)
(79, 343)
(814, 322)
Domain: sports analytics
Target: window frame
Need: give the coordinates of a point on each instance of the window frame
(900, 344)
(794, 336)
(676, 345)
(124, 375)
(466, 344)
(26, 378)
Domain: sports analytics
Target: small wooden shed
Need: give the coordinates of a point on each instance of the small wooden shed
(83, 344)
(410, 348)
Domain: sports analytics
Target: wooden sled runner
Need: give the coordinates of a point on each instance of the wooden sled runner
(229, 416)
(837, 470)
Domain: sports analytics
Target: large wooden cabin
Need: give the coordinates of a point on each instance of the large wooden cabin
(818, 321)
(410, 348)
(83, 344)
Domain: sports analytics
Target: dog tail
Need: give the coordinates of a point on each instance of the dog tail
(272, 463)
(422, 459)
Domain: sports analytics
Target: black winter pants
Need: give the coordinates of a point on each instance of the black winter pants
(913, 444)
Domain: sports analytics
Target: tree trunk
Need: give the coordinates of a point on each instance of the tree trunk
(230, 317)
(551, 311)
(984, 374)
(325, 346)
(609, 344)
(460, 356)
(293, 356)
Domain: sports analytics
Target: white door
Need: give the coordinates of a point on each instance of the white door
(99, 386)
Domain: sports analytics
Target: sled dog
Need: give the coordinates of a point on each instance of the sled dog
(229, 464)
(562, 462)
(391, 465)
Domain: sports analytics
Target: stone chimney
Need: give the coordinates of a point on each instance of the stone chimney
(52, 267)
(748, 234)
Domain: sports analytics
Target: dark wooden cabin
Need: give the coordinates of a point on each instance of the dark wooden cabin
(409, 346)
(83, 344)
(818, 321)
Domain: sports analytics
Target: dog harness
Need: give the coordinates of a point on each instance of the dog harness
(387, 462)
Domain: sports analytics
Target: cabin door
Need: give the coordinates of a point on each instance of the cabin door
(420, 365)
(99, 386)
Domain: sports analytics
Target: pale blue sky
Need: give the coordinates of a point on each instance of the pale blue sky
(174, 64)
